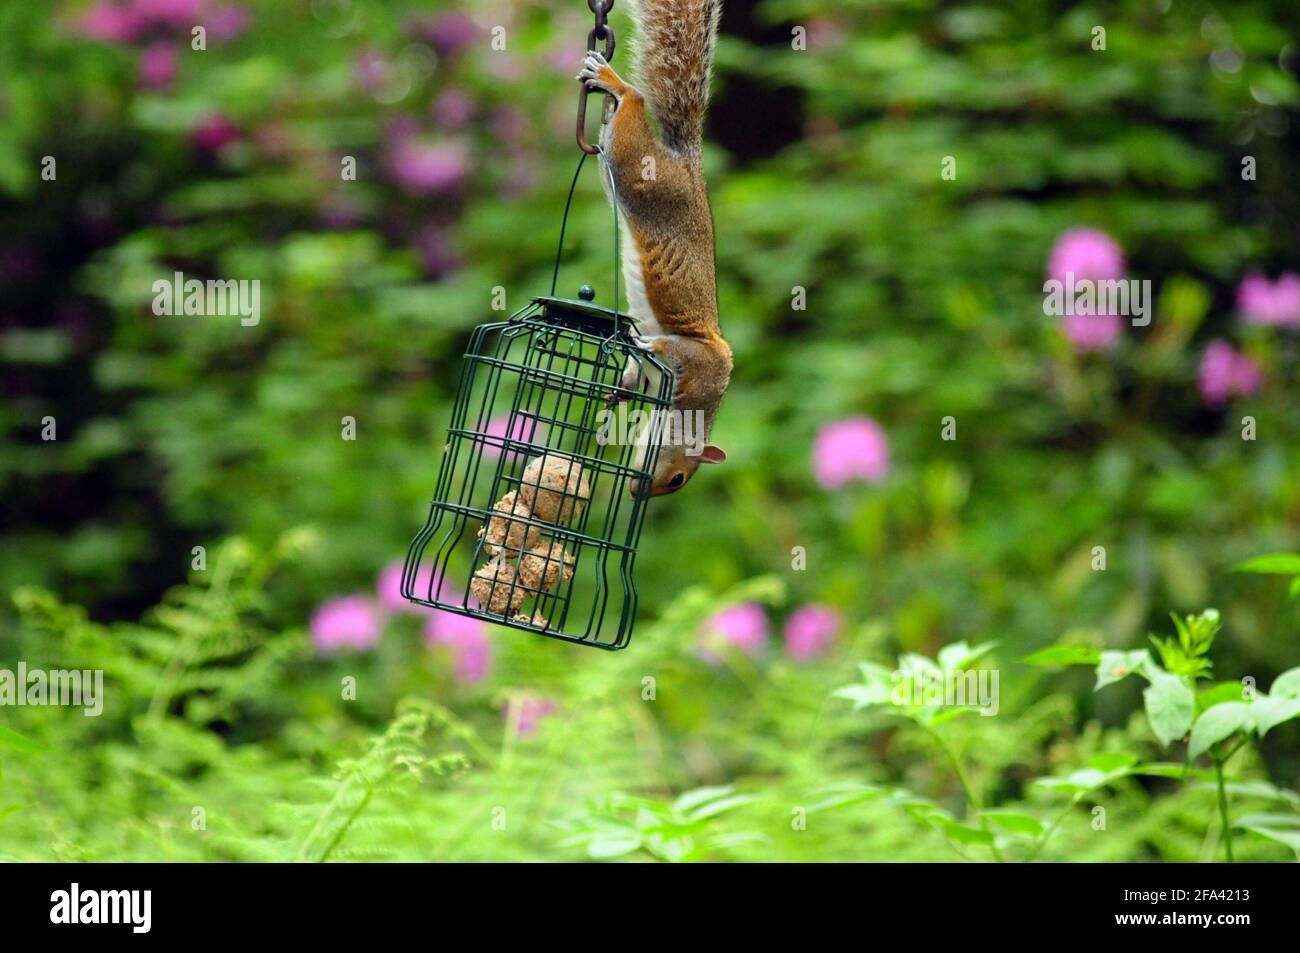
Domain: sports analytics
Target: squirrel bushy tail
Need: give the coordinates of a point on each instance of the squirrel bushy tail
(672, 54)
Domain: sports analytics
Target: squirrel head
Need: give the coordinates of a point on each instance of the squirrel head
(675, 467)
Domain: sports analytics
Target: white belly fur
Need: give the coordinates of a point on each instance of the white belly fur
(638, 305)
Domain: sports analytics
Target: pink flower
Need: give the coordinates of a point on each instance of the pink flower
(1225, 373)
(157, 66)
(226, 23)
(1087, 254)
(169, 12)
(453, 109)
(345, 622)
(389, 589)
(421, 167)
(1275, 304)
(743, 627)
(507, 124)
(466, 638)
(525, 429)
(110, 22)
(530, 713)
(1092, 332)
(852, 449)
(215, 133)
(436, 252)
(373, 70)
(810, 630)
(450, 33)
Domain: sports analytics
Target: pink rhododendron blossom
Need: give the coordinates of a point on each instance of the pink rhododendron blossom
(530, 712)
(453, 109)
(852, 449)
(1272, 303)
(110, 22)
(226, 23)
(1087, 254)
(177, 13)
(373, 70)
(525, 429)
(1226, 373)
(345, 622)
(743, 627)
(436, 252)
(388, 587)
(810, 631)
(215, 133)
(156, 67)
(450, 33)
(466, 638)
(422, 167)
(1092, 332)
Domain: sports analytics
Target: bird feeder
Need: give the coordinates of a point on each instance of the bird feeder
(537, 510)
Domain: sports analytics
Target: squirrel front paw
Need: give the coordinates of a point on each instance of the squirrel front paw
(597, 73)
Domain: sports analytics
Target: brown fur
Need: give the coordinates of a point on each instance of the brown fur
(667, 212)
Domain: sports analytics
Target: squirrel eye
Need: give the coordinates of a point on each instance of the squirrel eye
(677, 480)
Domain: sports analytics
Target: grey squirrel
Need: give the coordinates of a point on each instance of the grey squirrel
(668, 258)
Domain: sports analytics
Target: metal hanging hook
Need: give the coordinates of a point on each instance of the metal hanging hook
(601, 31)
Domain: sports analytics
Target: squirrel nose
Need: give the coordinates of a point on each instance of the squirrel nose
(634, 487)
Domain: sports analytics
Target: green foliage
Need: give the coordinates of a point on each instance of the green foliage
(924, 302)
(677, 831)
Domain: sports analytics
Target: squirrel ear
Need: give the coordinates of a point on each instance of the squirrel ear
(712, 454)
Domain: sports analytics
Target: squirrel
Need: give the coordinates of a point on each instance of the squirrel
(667, 226)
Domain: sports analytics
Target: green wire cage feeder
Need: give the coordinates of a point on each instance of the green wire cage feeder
(541, 494)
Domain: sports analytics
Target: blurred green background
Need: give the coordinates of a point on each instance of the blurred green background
(826, 146)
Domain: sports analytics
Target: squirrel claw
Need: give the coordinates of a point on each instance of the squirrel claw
(590, 72)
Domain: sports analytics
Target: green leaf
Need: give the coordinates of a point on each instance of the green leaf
(1064, 655)
(720, 806)
(18, 742)
(937, 716)
(862, 696)
(1287, 685)
(1268, 820)
(1116, 665)
(1111, 762)
(1264, 791)
(613, 846)
(694, 798)
(1217, 694)
(965, 834)
(1268, 712)
(1016, 823)
(1275, 564)
(1170, 706)
(1287, 837)
(914, 662)
(1217, 723)
(959, 655)
(842, 795)
(1102, 769)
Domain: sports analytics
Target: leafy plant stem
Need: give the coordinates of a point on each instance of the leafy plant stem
(1223, 810)
(1047, 834)
(972, 800)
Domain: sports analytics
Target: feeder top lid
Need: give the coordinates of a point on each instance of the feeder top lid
(598, 318)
